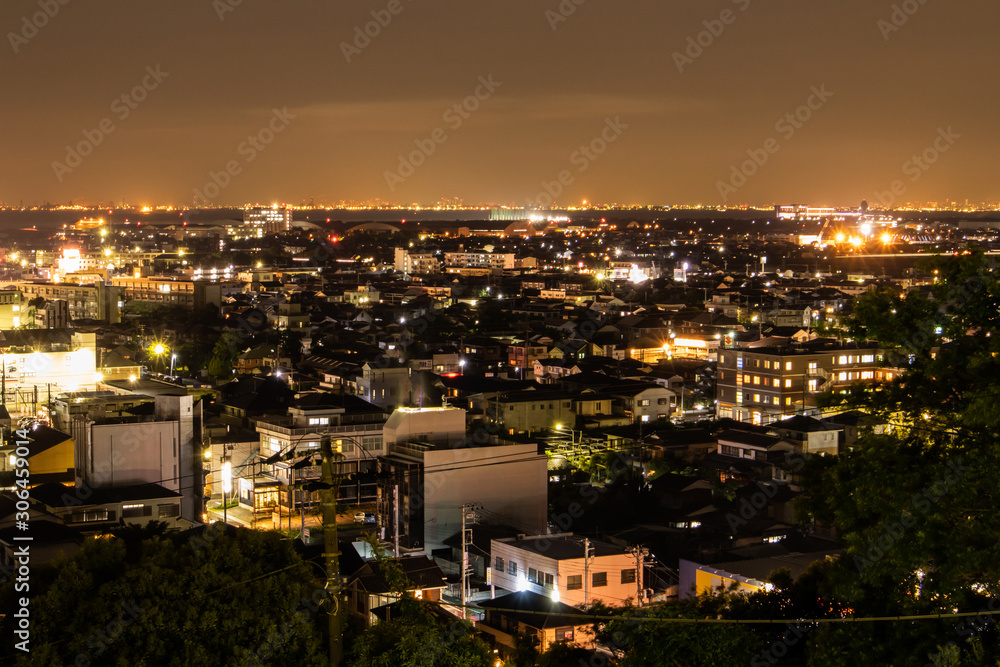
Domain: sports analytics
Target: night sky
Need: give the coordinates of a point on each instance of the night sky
(556, 81)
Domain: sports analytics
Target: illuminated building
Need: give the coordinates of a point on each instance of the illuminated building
(762, 385)
(36, 362)
(260, 220)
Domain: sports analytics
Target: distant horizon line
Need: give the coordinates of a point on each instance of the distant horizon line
(946, 206)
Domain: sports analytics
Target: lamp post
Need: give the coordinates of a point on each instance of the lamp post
(173, 358)
(572, 434)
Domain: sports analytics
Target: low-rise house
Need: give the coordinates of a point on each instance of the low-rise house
(536, 616)
(567, 568)
(368, 589)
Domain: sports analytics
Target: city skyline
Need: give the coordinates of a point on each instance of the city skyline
(725, 104)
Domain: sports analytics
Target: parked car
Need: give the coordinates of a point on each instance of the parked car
(369, 517)
(359, 517)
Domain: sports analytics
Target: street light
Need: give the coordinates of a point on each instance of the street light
(572, 433)
(173, 358)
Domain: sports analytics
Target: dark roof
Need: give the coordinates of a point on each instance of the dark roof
(57, 495)
(563, 546)
(536, 611)
(752, 439)
(420, 570)
(40, 438)
(804, 424)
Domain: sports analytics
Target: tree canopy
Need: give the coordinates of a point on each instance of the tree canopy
(205, 597)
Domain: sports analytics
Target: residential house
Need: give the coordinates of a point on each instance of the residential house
(567, 568)
(536, 616)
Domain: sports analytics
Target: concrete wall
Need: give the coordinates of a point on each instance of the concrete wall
(510, 482)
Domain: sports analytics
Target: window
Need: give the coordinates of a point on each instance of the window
(788, 384)
(319, 421)
(644, 402)
(628, 576)
(134, 511)
(788, 365)
(532, 575)
(548, 580)
(756, 398)
(729, 450)
(868, 359)
(777, 401)
(600, 579)
(574, 582)
(756, 379)
(777, 382)
(843, 360)
(84, 516)
(499, 564)
(661, 401)
(564, 634)
(164, 511)
(512, 568)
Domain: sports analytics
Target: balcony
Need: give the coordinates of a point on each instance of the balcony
(287, 428)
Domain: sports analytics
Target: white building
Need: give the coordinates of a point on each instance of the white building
(430, 484)
(409, 263)
(567, 568)
(479, 260)
(163, 450)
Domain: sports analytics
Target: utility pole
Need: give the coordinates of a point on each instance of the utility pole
(395, 518)
(468, 518)
(640, 554)
(586, 571)
(328, 495)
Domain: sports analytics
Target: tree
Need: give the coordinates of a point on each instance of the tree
(655, 636)
(916, 502)
(210, 596)
(224, 355)
(416, 636)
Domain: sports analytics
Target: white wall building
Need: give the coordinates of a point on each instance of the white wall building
(556, 565)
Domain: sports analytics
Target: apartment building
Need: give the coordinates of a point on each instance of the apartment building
(410, 263)
(479, 260)
(99, 301)
(169, 292)
(765, 384)
(567, 568)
